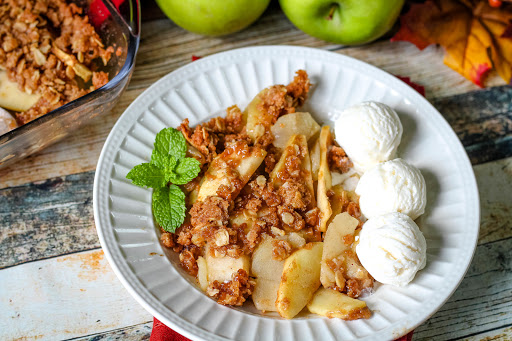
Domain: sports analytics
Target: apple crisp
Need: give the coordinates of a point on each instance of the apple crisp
(258, 212)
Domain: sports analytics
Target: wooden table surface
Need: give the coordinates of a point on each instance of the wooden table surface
(55, 282)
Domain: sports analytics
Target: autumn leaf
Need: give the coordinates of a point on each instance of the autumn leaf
(476, 37)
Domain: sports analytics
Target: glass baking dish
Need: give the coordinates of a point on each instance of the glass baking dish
(122, 27)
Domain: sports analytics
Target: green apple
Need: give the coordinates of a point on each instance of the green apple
(213, 17)
(347, 22)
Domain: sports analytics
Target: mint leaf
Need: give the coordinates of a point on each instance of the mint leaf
(169, 207)
(166, 163)
(186, 170)
(147, 175)
(170, 141)
(159, 159)
(169, 168)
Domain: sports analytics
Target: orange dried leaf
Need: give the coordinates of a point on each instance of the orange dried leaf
(474, 34)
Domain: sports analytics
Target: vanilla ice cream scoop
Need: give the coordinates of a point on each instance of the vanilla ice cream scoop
(369, 132)
(392, 248)
(392, 186)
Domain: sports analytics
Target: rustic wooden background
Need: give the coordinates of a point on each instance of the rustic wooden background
(56, 284)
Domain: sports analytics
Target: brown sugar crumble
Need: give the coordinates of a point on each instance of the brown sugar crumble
(338, 160)
(281, 249)
(351, 278)
(45, 46)
(233, 292)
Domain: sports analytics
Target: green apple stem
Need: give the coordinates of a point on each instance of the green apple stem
(331, 12)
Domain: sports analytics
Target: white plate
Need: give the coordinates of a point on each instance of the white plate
(205, 88)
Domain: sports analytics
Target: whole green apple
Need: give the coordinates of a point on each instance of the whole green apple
(347, 22)
(213, 17)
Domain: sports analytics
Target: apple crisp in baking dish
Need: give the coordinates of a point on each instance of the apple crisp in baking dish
(47, 56)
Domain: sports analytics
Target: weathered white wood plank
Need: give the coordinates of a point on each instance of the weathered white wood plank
(47, 219)
(495, 188)
(482, 121)
(132, 333)
(483, 300)
(63, 298)
(500, 334)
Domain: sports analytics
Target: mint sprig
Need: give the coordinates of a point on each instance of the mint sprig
(168, 167)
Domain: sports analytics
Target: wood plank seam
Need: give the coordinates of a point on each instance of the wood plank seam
(100, 336)
(51, 257)
(485, 331)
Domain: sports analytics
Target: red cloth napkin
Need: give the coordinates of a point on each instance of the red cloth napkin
(163, 333)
